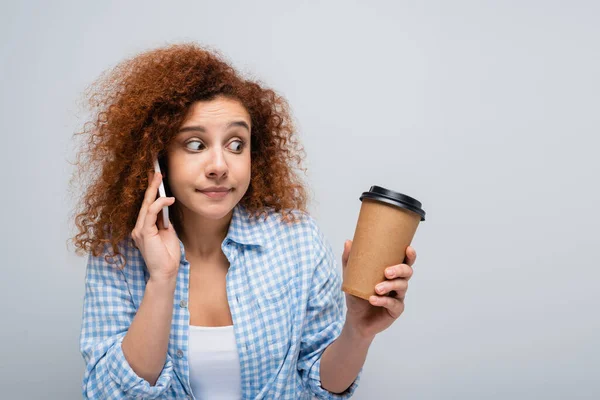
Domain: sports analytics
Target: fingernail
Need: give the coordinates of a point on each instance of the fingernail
(390, 272)
(380, 287)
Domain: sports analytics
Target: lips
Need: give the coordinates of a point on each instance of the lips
(214, 189)
(215, 194)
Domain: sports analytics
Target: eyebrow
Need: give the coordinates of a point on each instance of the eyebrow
(199, 128)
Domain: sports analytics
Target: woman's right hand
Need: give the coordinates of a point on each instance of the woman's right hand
(159, 247)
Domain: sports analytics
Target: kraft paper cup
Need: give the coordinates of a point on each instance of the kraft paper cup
(386, 226)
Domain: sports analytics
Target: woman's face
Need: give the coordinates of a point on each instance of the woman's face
(211, 149)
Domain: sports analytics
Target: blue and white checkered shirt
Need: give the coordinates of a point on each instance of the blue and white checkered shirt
(286, 302)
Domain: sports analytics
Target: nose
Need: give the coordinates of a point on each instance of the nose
(217, 165)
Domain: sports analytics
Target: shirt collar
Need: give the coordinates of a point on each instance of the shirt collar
(244, 230)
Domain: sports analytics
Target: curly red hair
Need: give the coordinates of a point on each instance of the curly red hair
(139, 106)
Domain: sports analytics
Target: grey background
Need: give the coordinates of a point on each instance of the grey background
(486, 111)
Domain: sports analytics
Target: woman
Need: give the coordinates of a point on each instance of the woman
(239, 297)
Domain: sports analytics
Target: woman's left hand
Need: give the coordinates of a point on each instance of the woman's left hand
(368, 318)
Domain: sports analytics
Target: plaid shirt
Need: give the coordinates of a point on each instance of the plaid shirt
(284, 293)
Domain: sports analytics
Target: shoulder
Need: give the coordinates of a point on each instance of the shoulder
(302, 236)
(122, 276)
(125, 259)
(279, 224)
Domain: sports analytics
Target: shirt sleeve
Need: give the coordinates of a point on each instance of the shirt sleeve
(324, 320)
(108, 311)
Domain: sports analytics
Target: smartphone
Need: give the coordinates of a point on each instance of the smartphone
(161, 193)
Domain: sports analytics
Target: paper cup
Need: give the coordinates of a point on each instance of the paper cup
(386, 225)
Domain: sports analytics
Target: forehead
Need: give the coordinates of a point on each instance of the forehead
(218, 111)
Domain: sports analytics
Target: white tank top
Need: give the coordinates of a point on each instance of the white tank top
(214, 363)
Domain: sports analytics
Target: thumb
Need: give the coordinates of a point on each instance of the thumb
(346, 253)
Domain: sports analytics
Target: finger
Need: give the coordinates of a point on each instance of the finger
(346, 253)
(394, 306)
(159, 220)
(411, 256)
(399, 271)
(399, 285)
(149, 197)
(152, 189)
(154, 209)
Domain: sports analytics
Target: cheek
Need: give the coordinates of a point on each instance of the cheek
(179, 176)
(242, 168)
(242, 174)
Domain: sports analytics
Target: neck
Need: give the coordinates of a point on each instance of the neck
(202, 237)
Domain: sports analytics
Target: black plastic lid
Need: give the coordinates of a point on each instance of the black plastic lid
(394, 198)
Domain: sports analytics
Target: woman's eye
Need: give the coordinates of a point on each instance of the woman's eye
(199, 145)
(240, 145)
(194, 142)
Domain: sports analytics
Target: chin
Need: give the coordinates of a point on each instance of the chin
(214, 211)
